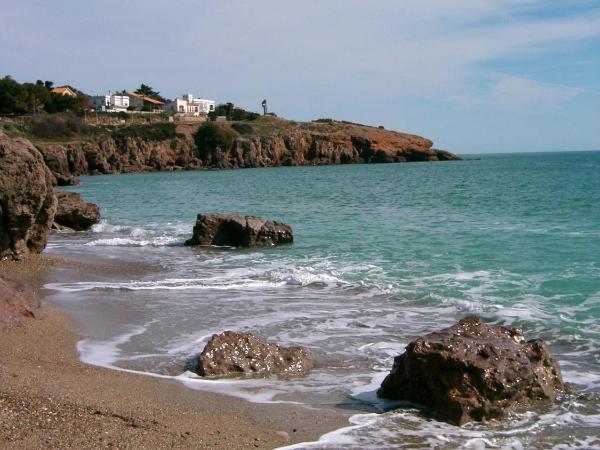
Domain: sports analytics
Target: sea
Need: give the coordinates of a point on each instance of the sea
(382, 254)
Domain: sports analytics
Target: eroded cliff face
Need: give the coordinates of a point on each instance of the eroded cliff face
(299, 148)
(291, 146)
(120, 156)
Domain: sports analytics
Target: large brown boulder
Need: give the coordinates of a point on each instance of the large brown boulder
(74, 213)
(473, 371)
(27, 202)
(231, 353)
(14, 304)
(238, 231)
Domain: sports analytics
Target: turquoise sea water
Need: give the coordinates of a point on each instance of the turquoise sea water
(382, 254)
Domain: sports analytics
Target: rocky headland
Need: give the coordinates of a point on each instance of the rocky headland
(264, 142)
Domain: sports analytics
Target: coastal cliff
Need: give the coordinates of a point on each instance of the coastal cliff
(264, 142)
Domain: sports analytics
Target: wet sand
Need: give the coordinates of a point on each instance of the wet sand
(49, 399)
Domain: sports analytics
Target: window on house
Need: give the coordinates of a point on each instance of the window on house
(181, 108)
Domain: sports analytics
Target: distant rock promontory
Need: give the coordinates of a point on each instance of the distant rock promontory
(263, 142)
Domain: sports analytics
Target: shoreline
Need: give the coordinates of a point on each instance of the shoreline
(49, 397)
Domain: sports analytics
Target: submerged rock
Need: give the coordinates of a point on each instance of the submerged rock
(74, 213)
(27, 202)
(66, 180)
(232, 353)
(472, 371)
(238, 231)
(14, 304)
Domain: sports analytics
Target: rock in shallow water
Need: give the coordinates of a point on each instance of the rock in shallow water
(74, 213)
(231, 353)
(473, 372)
(238, 231)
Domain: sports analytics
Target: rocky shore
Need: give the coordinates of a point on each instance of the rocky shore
(471, 371)
(49, 399)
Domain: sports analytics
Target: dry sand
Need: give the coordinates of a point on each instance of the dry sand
(49, 399)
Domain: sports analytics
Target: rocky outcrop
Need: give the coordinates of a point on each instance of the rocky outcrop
(66, 180)
(27, 202)
(238, 231)
(231, 353)
(473, 372)
(74, 213)
(14, 304)
(343, 144)
(277, 143)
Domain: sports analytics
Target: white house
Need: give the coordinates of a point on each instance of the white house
(190, 106)
(110, 103)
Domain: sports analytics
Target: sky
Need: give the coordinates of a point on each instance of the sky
(474, 76)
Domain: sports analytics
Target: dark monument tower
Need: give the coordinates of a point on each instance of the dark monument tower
(264, 105)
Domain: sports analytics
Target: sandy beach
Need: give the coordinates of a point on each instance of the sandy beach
(49, 399)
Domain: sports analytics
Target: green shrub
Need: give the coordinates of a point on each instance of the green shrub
(232, 113)
(146, 132)
(242, 128)
(56, 126)
(212, 138)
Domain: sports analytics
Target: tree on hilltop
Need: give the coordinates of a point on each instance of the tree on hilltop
(148, 91)
(27, 98)
(232, 112)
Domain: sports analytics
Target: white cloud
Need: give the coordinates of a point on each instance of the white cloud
(386, 49)
(522, 94)
(426, 49)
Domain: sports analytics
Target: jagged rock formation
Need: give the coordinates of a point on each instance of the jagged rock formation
(352, 144)
(74, 213)
(231, 353)
(238, 231)
(473, 372)
(272, 142)
(27, 202)
(119, 156)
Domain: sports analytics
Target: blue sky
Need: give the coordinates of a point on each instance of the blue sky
(472, 75)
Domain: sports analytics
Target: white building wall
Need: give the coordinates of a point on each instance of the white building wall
(100, 101)
(119, 101)
(206, 106)
(111, 102)
(190, 106)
